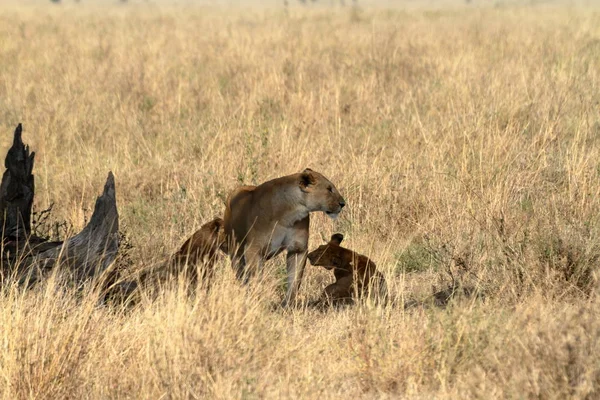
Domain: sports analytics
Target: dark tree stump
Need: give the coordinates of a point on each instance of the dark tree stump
(16, 191)
(26, 257)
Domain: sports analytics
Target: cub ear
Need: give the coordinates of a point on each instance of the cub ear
(336, 238)
(306, 179)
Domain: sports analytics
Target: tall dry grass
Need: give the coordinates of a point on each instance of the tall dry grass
(465, 141)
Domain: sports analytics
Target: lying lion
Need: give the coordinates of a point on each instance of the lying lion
(194, 260)
(197, 255)
(355, 275)
(262, 221)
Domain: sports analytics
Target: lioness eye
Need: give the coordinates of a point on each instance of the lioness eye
(330, 188)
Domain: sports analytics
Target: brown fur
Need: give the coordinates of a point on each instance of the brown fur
(197, 255)
(262, 221)
(355, 274)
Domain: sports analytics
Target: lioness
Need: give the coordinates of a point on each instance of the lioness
(199, 251)
(354, 273)
(195, 259)
(262, 221)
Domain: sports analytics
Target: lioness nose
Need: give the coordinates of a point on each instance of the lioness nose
(342, 203)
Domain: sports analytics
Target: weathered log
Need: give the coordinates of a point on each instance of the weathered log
(27, 257)
(91, 251)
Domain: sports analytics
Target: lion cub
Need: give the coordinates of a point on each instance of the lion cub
(355, 274)
(198, 253)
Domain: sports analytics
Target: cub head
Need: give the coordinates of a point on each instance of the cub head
(330, 255)
(320, 194)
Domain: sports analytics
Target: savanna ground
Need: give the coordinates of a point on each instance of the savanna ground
(465, 139)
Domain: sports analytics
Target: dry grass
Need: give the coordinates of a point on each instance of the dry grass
(463, 139)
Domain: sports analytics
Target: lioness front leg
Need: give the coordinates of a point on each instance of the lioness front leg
(239, 266)
(295, 262)
(252, 263)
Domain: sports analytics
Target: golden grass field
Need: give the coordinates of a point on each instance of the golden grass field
(465, 138)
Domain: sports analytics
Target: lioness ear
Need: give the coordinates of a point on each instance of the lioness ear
(306, 179)
(336, 238)
(218, 222)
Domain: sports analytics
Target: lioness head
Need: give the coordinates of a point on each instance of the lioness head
(211, 234)
(205, 240)
(218, 230)
(320, 194)
(329, 255)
